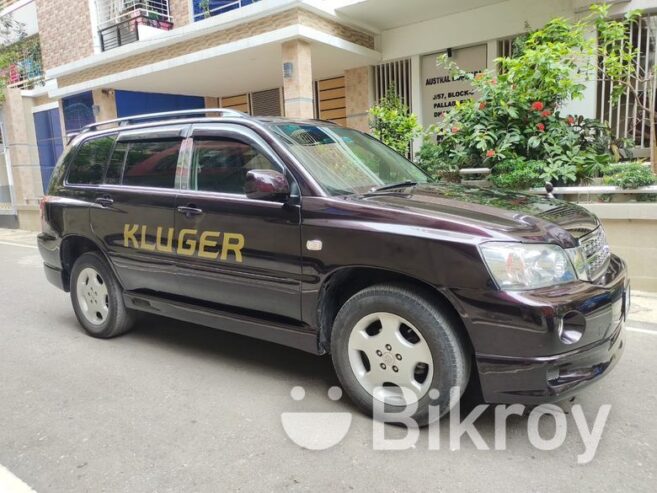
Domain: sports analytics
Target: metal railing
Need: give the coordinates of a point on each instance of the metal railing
(112, 12)
(209, 8)
(25, 70)
(627, 119)
(127, 31)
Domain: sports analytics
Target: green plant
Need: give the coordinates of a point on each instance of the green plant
(429, 160)
(633, 175)
(517, 117)
(204, 5)
(392, 122)
(559, 171)
(517, 174)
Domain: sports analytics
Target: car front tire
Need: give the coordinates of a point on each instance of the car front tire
(388, 337)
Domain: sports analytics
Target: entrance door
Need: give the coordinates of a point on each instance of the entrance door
(242, 253)
(49, 142)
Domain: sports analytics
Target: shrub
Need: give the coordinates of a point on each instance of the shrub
(633, 175)
(517, 174)
(392, 122)
(429, 160)
(517, 119)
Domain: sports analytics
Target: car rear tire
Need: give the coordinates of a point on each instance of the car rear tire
(98, 298)
(391, 336)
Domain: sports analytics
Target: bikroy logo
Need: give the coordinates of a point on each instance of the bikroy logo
(323, 430)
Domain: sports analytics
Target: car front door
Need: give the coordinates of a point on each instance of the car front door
(235, 251)
(133, 212)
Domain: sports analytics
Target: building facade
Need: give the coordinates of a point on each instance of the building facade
(328, 59)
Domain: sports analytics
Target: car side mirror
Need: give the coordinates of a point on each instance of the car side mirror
(265, 184)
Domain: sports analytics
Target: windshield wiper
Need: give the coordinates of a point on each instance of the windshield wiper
(392, 186)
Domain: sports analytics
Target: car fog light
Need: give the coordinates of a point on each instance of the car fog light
(571, 327)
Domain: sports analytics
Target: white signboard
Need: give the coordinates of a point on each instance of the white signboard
(440, 91)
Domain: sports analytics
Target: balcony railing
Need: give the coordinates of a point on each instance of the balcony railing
(120, 21)
(22, 66)
(127, 31)
(209, 8)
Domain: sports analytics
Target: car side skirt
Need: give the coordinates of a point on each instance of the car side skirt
(299, 337)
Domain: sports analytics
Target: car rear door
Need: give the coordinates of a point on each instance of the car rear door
(133, 210)
(239, 252)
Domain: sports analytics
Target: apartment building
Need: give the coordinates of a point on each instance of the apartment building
(329, 59)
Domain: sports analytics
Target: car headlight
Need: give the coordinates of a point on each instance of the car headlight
(518, 266)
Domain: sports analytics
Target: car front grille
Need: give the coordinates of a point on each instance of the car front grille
(596, 252)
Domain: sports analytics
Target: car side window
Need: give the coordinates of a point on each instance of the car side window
(145, 163)
(88, 164)
(221, 165)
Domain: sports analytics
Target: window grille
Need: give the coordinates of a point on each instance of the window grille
(625, 118)
(396, 74)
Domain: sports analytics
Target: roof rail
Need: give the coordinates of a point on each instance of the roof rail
(161, 116)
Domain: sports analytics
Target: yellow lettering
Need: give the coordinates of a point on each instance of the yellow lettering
(129, 231)
(205, 242)
(158, 241)
(234, 246)
(186, 247)
(144, 245)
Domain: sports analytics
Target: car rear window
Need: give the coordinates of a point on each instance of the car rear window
(88, 165)
(148, 163)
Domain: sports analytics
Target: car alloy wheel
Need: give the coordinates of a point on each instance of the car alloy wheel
(93, 296)
(388, 354)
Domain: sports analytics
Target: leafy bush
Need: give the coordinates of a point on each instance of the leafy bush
(633, 175)
(517, 119)
(431, 163)
(392, 122)
(517, 174)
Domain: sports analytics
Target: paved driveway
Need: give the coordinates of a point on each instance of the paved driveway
(177, 407)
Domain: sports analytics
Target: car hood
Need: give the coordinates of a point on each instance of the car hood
(510, 214)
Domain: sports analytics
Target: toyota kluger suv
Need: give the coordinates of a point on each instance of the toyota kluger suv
(319, 237)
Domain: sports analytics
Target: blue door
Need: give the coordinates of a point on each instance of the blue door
(49, 141)
(130, 103)
(78, 111)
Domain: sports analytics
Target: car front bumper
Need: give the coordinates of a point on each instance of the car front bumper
(519, 354)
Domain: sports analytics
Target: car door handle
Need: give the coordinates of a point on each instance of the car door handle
(189, 211)
(105, 201)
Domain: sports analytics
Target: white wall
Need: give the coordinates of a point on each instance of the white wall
(487, 25)
(472, 27)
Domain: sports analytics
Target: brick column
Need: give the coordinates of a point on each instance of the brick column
(106, 102)
(20, 142)
(359, 97)
(298, 83)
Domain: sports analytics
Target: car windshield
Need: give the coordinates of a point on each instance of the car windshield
(345, 161)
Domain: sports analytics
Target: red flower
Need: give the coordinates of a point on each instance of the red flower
(537, 106)
(546, 113)
(479, 76)
(493, 81)
(490, 153)
(540, 127)
(571, 120)
(482, 105)
(455, 130)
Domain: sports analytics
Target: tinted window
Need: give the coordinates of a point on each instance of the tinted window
(88, 165)
(221, 165)
(116, 162)
(151, 163)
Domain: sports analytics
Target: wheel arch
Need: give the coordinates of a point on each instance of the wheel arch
(71, 248)
(343, 283)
